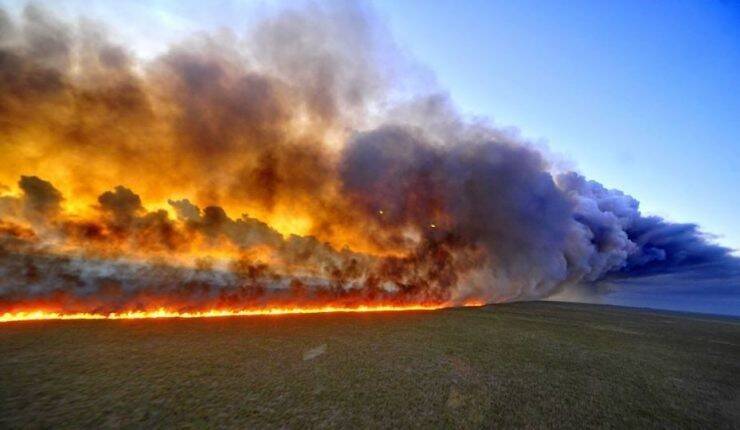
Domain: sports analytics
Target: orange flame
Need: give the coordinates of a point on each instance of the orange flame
(41, 315)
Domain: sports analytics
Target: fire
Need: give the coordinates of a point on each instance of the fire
(214, 181)
(42, 315)
(38, 315)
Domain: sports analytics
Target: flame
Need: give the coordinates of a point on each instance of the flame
(38, 315)
(42, 315)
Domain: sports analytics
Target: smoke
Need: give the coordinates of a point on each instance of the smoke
(628, 244)
(279, 168)
(40, 197)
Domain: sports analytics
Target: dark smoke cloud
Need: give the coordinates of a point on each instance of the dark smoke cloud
(540, 231)
(408, 202)
(637, 245)
(492, 194)
(122, 204)
(39, 196)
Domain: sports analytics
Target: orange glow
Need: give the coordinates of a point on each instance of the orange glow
(41, 315)
(164, 313)
(198, 184)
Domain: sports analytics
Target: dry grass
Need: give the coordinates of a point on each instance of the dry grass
(523, 365)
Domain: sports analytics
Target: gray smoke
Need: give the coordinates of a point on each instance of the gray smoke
(540, 231)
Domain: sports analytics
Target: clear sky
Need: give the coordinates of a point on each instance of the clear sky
(641, 96)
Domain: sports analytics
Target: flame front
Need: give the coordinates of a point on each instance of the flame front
(35, 315)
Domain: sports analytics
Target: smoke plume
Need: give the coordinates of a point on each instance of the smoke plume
(280, 168)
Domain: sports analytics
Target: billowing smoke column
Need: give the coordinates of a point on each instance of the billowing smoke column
(123, 177)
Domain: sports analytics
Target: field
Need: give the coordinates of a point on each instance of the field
(533, 365)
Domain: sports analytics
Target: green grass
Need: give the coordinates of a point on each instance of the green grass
(525, 365)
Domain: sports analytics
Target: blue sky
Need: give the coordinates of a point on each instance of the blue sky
(641, 96)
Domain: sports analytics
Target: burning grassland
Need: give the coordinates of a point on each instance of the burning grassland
(513, 365)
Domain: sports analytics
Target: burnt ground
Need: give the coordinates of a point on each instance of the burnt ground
(539, 364)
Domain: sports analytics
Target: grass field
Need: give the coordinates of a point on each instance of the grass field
(525, 365)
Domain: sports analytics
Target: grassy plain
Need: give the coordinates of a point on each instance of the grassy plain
(534, 365)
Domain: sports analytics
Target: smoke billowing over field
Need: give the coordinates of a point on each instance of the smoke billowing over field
(285, 168)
